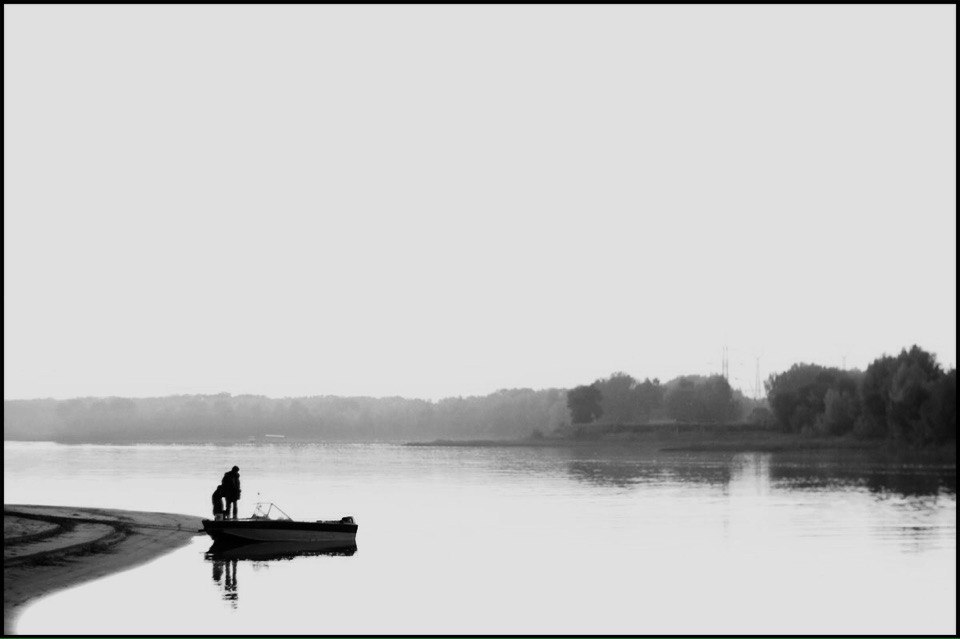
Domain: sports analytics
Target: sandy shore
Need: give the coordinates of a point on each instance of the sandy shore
(52, 547)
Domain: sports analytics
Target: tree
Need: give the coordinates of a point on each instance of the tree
(911, 387)
(840, 412)
(797, 396)
(761, 416)
(701, 399)
(906, 398)
(618, 398)
(649, 398)
(874, 397)
(584, 403)
(681, 400)
(716, 400)
(940, 413)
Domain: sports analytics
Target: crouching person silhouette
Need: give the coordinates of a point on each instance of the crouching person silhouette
(217, 498)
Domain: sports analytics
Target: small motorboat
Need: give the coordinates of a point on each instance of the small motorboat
(264, 526)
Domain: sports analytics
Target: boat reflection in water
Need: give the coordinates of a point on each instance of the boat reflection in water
(225, 558)
(271, 550)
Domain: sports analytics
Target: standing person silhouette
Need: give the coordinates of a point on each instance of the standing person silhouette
(230, 487)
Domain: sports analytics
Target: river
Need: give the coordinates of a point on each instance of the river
(519, 540)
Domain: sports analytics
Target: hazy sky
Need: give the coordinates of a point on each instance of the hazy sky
(433, 201)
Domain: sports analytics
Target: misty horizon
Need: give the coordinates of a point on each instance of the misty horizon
(325, 216)
(736, 382)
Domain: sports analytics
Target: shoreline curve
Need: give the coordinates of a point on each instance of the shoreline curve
(88, 543)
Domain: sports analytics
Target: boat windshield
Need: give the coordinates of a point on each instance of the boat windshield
(268, 510)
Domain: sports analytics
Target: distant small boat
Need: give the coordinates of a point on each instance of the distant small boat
(261, 527)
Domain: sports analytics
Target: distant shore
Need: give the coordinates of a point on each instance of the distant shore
(650, 438)
(48, 548)
(738, 438)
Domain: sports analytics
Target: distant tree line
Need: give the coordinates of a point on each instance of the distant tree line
(908, 398)
(226, 418)
(504, 414)
(621, 399)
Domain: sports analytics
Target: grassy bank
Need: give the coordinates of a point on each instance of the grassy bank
(694, 438)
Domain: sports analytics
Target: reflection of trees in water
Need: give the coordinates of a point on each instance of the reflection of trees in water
(930, 482)
(901, 480)
(782, 471)
(623, 473)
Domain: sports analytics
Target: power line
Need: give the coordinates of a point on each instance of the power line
(756, 393)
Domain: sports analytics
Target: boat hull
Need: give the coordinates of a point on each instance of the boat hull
(260, 530)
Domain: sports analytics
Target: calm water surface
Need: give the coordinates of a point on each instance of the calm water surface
(519, 540)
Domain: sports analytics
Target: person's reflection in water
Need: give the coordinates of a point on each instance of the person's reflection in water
(230, 592)
(229, 584)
